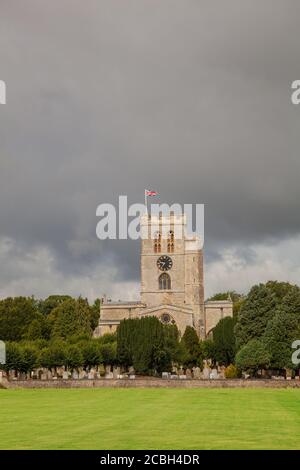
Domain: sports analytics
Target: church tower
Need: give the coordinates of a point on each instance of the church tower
(172, 270)
(171, 281)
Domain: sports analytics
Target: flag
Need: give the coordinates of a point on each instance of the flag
(150, 193)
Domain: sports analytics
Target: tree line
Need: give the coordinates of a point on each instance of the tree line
(58, 331)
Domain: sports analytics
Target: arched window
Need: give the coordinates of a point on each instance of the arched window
(157, 242)
(164, 281)
(171, 242)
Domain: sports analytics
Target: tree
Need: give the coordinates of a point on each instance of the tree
(48, 305)
(54, 355)
(13, 358)
(72, 317)
(224, 341)
(73, 359)
(280, 289)
(144, 344)
(191, 348)
(230, 294)
(91, 354)
(37, 329)
(16, 314)
(209, 350)
(29, 358)
(280, 333)
(291, 301)
(95, 314)
(256, 311)
(253, 356)
(108, 353)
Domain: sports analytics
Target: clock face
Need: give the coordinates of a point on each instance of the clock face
(164, 263)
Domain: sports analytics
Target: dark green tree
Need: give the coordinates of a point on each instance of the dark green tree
(191, 348)
(29, 358)
(108, 353)
(253, 356)
(281, 331)
(95, 314)
(73, 358)
(209, 350)
(13, 358)
(91, 354)
(224, 341)
(54, 355)
(257, 309)
(72, 317)
(16, 315)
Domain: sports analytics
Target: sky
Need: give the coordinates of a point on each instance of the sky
(106, 98)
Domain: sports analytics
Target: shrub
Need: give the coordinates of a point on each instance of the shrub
(231, 372)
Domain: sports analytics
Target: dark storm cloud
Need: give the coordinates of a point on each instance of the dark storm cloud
(110, 97)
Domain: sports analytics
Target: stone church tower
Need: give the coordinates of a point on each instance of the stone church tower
(172, 270)
(172, 287)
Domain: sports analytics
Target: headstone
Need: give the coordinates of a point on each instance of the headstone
(188, 373)
(116, 372)
(65, 375)
(182, 377)
(197, 372)
(109, 375)
(75, 375)
(206, 373)
(174, 377)
(132, 377)
(214, 374)
(165, 375)
(91, 375)
(44, 376)
(82, 375)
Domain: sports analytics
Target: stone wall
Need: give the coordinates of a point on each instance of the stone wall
(152, 383)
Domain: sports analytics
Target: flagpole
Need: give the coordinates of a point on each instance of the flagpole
(146, 202)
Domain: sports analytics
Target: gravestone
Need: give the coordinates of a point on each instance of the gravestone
(197, 372)
(206, 373)
(109, 375)
(116, 372)
(182, 377)
(165, 375)
(214, 374)
(188, 373)
(75, 375)
(65, 375)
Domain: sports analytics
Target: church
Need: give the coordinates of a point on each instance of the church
(172, 281)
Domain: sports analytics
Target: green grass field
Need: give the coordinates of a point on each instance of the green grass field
(150, 419)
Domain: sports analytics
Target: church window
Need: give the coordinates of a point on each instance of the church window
(165, 318)
(164, 281)
(157, 242)
(171, 242)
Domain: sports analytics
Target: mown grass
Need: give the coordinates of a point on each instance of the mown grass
(150, 419)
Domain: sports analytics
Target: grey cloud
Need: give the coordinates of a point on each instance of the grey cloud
(106, 98)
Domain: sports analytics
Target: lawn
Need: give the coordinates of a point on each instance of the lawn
(150, 419)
